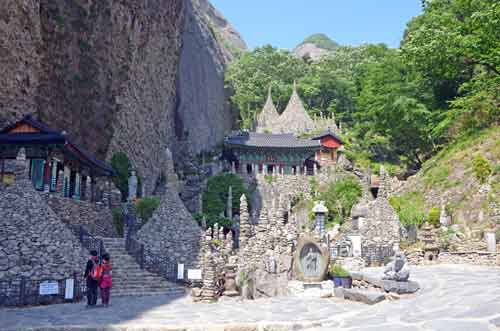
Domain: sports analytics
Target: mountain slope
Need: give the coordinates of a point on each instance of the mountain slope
(449, 179)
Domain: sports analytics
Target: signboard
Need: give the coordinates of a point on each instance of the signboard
(180, 271)
(69, 289)
(49, 288)
(194, 274)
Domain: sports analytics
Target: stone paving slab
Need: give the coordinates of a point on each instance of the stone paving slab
(452, 298)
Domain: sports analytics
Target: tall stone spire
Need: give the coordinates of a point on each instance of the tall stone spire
(383, 186)
(245, 227)
(295, 118)
(268, 116)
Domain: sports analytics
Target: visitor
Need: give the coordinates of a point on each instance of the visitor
(106, 279)
(92, 277)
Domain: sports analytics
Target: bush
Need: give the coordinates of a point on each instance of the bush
(269, 179)
(337, 270)
(409, 208)
(121, 165)
(434, 215)
(482, 168)
(118, 220)
(145, 207)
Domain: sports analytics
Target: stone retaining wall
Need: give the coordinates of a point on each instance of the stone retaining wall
(475, 258)
(97, 220)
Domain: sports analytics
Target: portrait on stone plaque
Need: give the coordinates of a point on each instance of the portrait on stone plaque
(310, 260)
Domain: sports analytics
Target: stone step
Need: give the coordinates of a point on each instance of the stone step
(147, 293)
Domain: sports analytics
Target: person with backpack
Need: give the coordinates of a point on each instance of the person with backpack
(92, 276)
(106, 279)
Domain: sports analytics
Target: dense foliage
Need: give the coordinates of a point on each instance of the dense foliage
(121, 165)
(400, 105)
(215, 199)
(339, 198)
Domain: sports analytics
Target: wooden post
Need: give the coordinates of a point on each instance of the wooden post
(46, 173)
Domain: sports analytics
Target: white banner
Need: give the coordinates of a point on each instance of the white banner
(194, 274)
(180, 271)
(70, 288)
(49, 288)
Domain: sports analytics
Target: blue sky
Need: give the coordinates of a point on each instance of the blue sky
(285, 23)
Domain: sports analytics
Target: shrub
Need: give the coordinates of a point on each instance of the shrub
(409, 208)
(482, 168)
(118, 220)
(337, 270)
(433, 217)
(121, 165)
(145, 207)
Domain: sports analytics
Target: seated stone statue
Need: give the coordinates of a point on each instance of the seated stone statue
(398, 269)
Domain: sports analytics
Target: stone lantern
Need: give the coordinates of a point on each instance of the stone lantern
(320, 212)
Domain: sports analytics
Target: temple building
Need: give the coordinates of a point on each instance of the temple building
(56, 162)
(276, 146)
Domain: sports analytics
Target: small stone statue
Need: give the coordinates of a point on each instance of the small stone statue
(345, 248)
(398, 269)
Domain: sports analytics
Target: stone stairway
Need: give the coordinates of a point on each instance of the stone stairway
(129, 279)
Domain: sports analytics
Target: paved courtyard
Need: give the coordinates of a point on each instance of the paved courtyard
(452, 298)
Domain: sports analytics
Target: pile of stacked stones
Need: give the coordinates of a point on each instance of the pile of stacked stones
(34, 242)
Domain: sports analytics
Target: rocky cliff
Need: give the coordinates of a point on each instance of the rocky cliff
(210, 43)
(111, 73)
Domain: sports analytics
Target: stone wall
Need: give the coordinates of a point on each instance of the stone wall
(97, 220)
(34, 242)
(475, 258)
(172, 232)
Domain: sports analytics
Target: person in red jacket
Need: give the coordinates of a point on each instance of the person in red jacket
(106, 280)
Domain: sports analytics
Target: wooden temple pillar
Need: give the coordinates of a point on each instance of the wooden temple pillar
(46, 173)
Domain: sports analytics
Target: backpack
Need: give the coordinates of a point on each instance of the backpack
(96, 272)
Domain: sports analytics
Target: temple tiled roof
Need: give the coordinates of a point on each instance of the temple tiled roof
(328, 133)
(47, 135)
(295, 118)
(259, 140)
(268, 116)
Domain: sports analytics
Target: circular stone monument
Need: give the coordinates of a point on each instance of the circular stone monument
(310, 260)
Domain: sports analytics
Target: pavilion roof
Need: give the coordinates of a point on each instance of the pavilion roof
(263, 140)
(40, 134)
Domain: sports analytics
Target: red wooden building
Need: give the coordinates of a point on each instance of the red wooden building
(330, 143)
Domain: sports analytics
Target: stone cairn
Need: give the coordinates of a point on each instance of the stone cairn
(431, 249)
(245, 226)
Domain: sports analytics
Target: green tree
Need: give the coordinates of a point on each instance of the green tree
(250, 77)
(456, 46)
(393, 119)
(121, 164)
(215, 198)
(340, 197)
